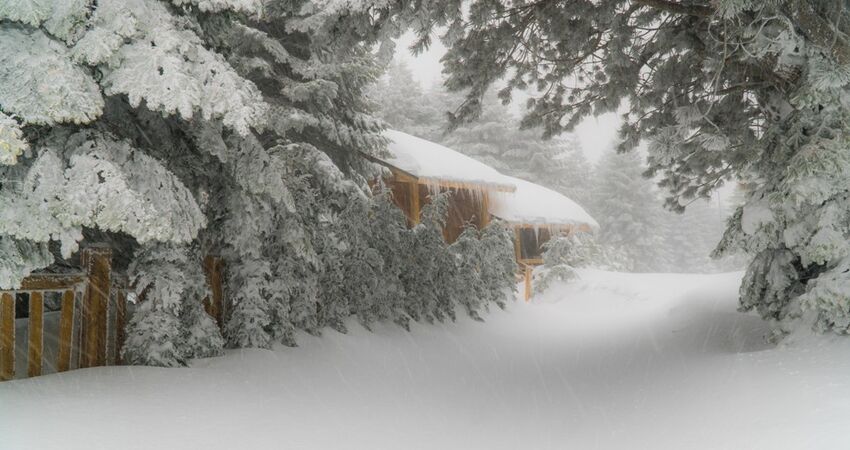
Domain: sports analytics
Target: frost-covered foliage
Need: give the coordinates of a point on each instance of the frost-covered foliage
(732, 88)
(485, 267)
(169, 325)
(12, 142)
(476, 270)
(565, 253)
(146, 53)
(90, 179)
(251, 7)
(628, 211)
(18, 258)
(41, 84)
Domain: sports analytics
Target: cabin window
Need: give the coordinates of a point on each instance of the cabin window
(531, 242)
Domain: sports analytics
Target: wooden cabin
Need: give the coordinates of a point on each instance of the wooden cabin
(536, 214)
(419, 168)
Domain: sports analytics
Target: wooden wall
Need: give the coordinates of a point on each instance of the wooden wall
(465, 205)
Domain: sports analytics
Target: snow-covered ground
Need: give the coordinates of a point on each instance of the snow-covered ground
(614, 361)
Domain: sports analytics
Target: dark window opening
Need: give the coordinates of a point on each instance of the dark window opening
(532, 241)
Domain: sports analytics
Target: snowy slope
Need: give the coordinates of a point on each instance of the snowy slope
(434, 162)
(538, 205)
(614, 361)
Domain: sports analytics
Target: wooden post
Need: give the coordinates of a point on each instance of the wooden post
(66, 329)
(214, 305)
(120, 323)
(36, 334)
(80, 324)
(7, 336)
(414, 203)
(528, 272)
(97, 262)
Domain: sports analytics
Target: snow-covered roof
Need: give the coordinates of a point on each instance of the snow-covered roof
(433, 163)
(536, 205)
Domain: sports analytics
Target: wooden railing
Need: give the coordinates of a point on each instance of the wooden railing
(92, 310)
(84, 309)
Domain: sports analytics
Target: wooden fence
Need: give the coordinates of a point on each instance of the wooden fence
(92, 313)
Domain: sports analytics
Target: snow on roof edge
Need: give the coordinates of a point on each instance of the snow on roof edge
(432, 163)
(535, 205)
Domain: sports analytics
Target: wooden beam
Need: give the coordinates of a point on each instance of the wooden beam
(52, 282)
(532, 261)
(528, 273)
(98, 265)
(66, 331)
(36, 334)
(7, 336)
(415, 207)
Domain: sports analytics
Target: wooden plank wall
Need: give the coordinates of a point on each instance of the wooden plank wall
(465, 206)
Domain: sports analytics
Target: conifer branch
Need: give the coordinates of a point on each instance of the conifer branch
(673, 7)
(820, 30)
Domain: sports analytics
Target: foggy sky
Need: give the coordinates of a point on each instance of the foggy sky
(596, 133)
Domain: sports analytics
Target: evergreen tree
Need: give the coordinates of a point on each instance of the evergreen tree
(691, 236)
(405, 105)
(629, 213)
(565, 253)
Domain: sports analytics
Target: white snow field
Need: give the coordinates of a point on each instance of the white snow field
(613, 361)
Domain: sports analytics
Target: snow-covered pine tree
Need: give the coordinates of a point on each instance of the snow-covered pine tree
(169, 325)
(469, 284)
(405, 105)
(690, 236)
(498, 262)
(475, 271)
(565, 253)
(429, 278)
